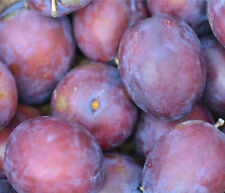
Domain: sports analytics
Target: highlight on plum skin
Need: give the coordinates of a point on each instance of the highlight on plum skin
(151, 129)
(194, 12)
(23, 113)
(46, 154)
(216, 16)
(214, 94)
(8, 96)
(38, 50)
(122, 174)
(57, 8)
(189, 159)
(94, 96)
(166, 81)
(98, 27)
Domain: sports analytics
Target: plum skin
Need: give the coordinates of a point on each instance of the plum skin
(165, 81)
(8, 95)
(23, 113)
(122, 174)
(46, 154)
(38, 51)
(151, 129)
(98, 29)
(189, 159)
(63, 8)
(192, 12)
(112, 118)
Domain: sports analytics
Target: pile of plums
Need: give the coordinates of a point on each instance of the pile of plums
(112, 96)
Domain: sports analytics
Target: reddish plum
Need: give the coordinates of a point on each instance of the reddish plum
(194, 12)
(57, 8)
(49, 155)
(99, 26)
(190, 159)
(122, 174)
(8, 96)
(162, 66)
(38, 50)
(93, 95)
(214, 94)
(23, 113)
(216, 16)
(151, 129)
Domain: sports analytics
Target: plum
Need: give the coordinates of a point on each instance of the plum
(57, 8)
(122, 174)
(46, 154)
(8, 95)
(189, 159)
(23, 113)
(151, 129)
(194, 12)
(216, 16)
(38, 50)
(214, 94)
(99, 26)
(93, 95)
(162, 66)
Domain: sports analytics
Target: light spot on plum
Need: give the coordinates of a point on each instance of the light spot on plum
(2, 95)
(95, 104)
(50, 138)
(61, 103)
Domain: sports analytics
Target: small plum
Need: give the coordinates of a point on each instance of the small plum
(190, 159)
(98, 27)
(38, 50)
(93, 95)
(151, 129)
(214, 94)
(8, 96)
(216, 16)
(23, 113)
(122, 174)
(56, 8)
(46, 154)
(162, 66)
(194, 12)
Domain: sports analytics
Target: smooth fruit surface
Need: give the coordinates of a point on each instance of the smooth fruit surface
(163, 80)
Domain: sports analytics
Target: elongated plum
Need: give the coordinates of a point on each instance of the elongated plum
(45, 155)
(151, 129)
(99, 26)
(190, 159)
(214, 94)
(122, 174)
(57, 8)
(216, 16)
(162, 66)
(23, 113)
(38, 50)
(94, 96)
(8, 96)
(194, 12)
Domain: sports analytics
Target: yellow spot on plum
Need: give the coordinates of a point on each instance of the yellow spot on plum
(61, 103)
(2, 95)
(95, 104)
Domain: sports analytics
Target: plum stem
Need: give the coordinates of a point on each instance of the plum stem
(54, 10)
(219, 123)
(140, 188)
(95, 104)
(116, 61)
(26, 5)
